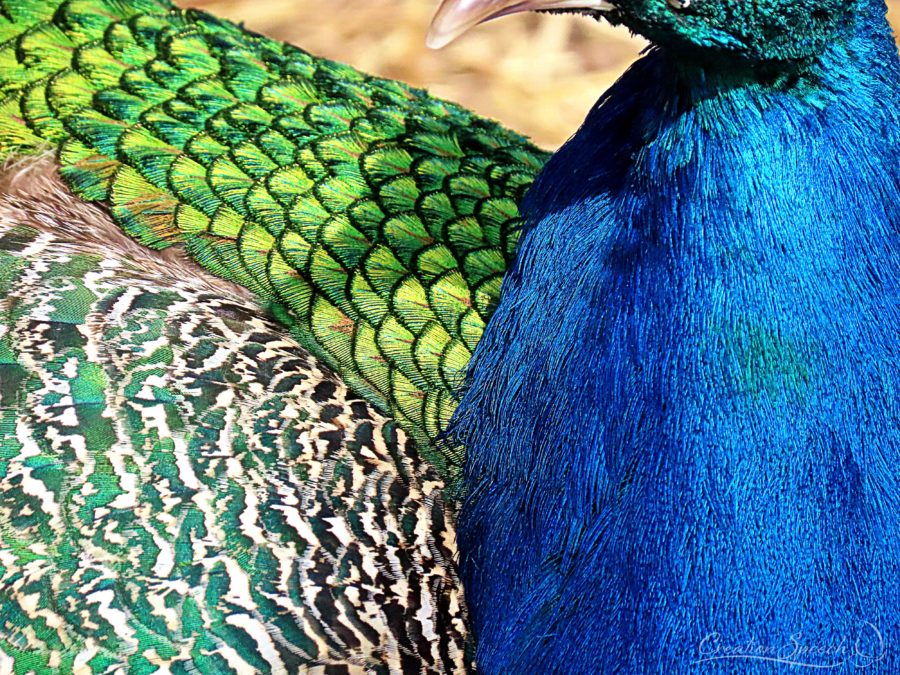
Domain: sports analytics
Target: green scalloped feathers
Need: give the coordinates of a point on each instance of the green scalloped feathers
(375, 220)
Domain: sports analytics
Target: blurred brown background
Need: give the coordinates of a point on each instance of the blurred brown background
(538, 74)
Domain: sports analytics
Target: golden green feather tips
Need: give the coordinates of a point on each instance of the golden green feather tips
(375, 220)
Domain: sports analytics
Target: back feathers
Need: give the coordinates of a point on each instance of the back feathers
(374, 220)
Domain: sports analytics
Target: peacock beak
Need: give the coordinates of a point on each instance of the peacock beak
(455, 17)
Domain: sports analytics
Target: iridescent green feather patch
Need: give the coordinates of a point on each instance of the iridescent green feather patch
(375, 220)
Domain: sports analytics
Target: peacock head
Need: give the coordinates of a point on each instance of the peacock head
(749, 30)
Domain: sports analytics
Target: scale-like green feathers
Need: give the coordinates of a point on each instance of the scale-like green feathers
(377, 221)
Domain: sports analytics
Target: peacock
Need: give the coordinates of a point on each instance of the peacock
(303, 370)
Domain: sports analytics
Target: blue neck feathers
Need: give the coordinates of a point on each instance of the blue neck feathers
(683, 422)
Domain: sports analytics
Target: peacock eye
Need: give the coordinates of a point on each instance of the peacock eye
(679, 4)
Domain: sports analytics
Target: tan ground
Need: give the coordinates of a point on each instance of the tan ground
(538, 74)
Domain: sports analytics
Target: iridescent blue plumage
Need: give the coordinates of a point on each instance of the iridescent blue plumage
(682, 423)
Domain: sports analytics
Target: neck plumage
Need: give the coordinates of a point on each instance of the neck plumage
(680, 422)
